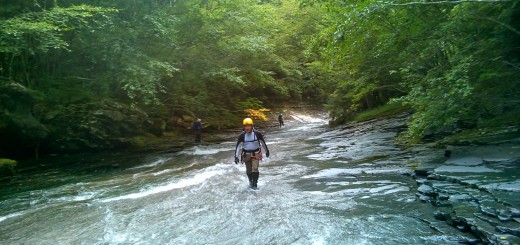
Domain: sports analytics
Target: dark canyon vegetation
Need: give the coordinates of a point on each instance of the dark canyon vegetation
(92, 75)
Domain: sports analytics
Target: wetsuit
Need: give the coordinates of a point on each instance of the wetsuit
(249, 150)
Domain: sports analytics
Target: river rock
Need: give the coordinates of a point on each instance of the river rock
(515, 212)
(422, 172)
(515, 231)
(465, 161)
(427, 190)
(439, 215)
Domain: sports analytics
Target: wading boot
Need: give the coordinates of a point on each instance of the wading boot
(255, 179)
(250, 177)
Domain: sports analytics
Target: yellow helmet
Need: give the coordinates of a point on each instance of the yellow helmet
(247, 121)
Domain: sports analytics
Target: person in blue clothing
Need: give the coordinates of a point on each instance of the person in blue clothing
(197, 129)
(280, 120)
(249, 148)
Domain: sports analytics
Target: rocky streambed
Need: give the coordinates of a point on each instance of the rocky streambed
(472, 183)
(474, 186)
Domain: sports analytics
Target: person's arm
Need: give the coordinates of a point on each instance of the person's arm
(262, 143)
(238, 150)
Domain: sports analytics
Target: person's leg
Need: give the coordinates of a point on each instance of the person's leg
(254, 168)
(249, 167)
(197, 135)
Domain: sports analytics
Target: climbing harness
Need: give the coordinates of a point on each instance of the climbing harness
(257, 153)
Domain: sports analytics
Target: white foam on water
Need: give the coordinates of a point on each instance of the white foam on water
(2, 218)
(203, 150)
(166, 171)
(384, 188)
(169, 170)
(152, 164)
(353, 171)
(307, 119)
(301, 128)
(190, 181)
(87, 195)
(274, 141)
(397, 189)
(323, 156)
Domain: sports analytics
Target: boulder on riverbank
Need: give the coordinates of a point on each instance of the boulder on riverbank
(7, 167)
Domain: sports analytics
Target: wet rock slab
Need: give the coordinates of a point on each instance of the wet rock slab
(476, 189)
(473, 185)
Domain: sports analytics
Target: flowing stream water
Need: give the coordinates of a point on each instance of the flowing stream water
(320, 186)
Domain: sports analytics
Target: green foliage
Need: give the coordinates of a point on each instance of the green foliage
(362, 56)
(227, 74)
(242, 49)
(7, 166)
(464, 73)
(450, 95)
(35, 33)
(388, 110)
(454, 64)
(250, 103)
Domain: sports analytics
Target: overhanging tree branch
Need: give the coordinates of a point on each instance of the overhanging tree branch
(504, 24)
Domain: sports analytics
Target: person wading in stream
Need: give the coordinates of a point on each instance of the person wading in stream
(280, 120)
(197, 129)
(249, 149)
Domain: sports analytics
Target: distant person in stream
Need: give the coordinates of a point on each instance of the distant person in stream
(249, 148)
(197, 129)
(280, 120)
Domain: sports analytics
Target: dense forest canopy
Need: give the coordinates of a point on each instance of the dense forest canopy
(453, 63)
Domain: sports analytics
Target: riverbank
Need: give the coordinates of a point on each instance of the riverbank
(475, 185)
(471, 177)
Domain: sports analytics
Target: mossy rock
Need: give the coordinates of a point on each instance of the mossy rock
(138, 141)
(7, 166)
